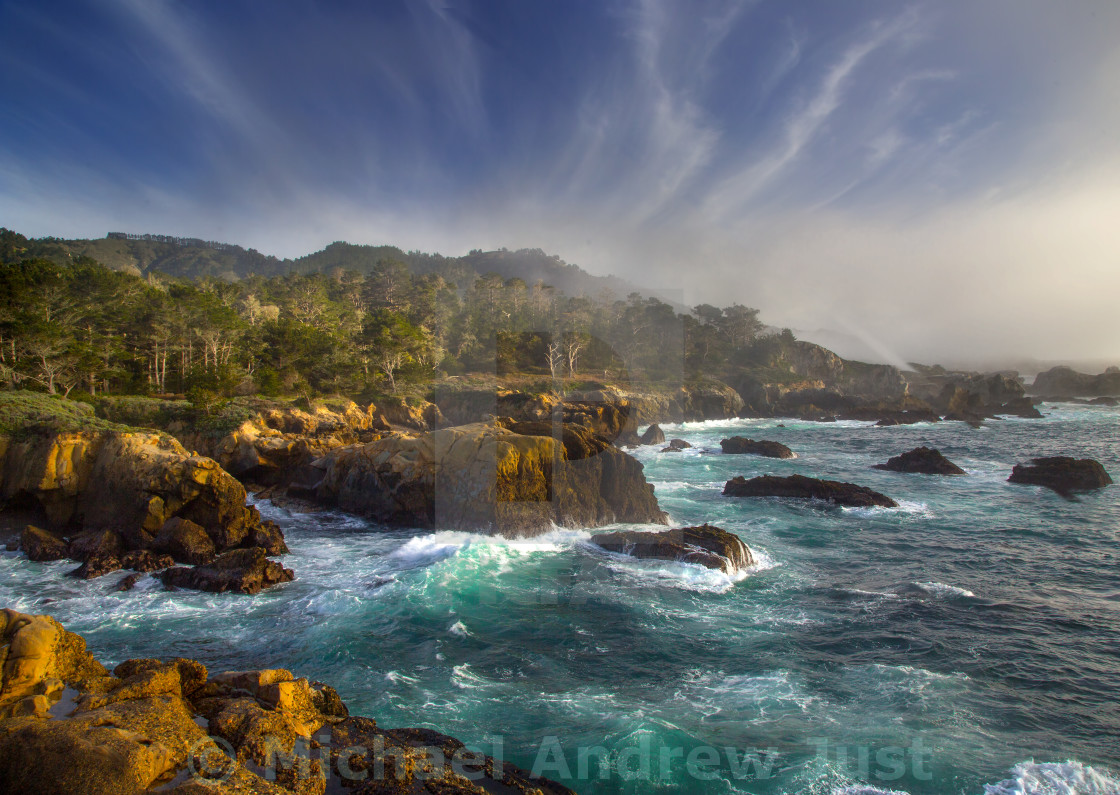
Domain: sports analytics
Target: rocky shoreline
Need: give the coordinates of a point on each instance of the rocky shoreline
(67, 725)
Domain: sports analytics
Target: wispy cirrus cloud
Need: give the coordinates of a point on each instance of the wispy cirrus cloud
(749, 145)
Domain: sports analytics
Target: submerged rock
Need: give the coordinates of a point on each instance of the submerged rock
(1063, 474)
(740, 445)
(922, 460)
(801, 487)
(141, 729)
(705, 545)
(653, 435)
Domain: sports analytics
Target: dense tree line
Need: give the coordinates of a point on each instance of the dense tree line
(82, 326)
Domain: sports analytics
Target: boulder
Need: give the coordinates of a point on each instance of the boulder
(679, 444)
(1020, 407)
(1063, 474)
(144, 561)
(96, 567)
(185, 541)
(922, 460)
(801, 487)
(41, 545)
(652, 435)
(244, 571)
(705, 545)
(35, 650)
(670, 449)
(516, 478)
(95, 544)
(739, 445)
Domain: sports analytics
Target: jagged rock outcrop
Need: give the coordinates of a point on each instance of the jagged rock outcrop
(141, 729)
(922, 460)
(1067, 382)
(514, 478)
(653, 435)
(269, 448)
(245, 571)
(704, 545)
(740, 445)
(1063, 474)
(111, 493)
(801, 487)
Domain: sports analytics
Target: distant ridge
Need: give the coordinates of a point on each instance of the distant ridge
(194, 258)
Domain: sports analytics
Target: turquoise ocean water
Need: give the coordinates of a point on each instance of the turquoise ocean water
(966, 642)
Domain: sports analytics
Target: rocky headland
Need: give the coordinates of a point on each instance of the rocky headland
(67, 725)
(114, 499)
(514, 478)
(1062, 383)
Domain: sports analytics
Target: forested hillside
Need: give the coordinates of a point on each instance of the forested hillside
(373, 323)
(188, 258)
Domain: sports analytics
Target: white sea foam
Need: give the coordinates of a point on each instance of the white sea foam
(904, 506)
(459, 629)
(1055, 778)
(446, 543)
(687, 576)
(938, 590)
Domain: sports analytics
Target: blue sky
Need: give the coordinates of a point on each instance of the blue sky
(928, 177)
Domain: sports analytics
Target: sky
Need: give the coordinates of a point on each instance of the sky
(924, 180)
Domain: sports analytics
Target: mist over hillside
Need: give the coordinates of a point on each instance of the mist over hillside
(188, 258)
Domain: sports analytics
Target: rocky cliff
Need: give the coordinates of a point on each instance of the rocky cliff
(1067, 382)
(514, 478)
(110, 493)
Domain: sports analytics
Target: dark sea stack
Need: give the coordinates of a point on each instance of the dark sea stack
(803, 488)
(1063, 474)
(740, 445)
(705, 545)
(653, 435)
(245, 571)
(671, 449)
(679, 444)
(923, 461)
(135, 730)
